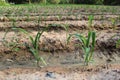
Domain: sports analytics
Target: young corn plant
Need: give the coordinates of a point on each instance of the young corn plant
(34, 48)
(90, 21)
(76, 16)
(27, 17)
(87, 45)
(13, 44)
(118, 44)
(39, 20)
(113, 23)
(13, 22)
(66, 27)
(59, 17)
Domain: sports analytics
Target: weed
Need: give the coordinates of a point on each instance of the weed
(87, 48)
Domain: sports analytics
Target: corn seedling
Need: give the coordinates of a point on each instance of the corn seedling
(87, 48)
(66, 27)
(39, 20)
(118, 44)
(59, 17)
(90, 21)
(34, 49)
(113, 23)
(27, 17)
(76, 16)
(113, 10)
(13, 44)
(13, 23)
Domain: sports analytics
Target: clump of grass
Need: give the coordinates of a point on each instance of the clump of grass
(87, 47)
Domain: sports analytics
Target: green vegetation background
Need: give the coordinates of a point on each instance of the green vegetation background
(100, 2)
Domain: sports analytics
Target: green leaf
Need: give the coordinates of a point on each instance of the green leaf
(88, 40)
(34, 53)
(93, 39)
(31, 38)
(81, 38)
(69, 37)
(118, 44)
(35, 42)
(21, 30)
(91, 17)
(43, 60)
(93, 45)
(87, 51)
(16, 49)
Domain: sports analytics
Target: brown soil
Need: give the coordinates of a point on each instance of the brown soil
(59, 18)
(65, 62)
(100, 72)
